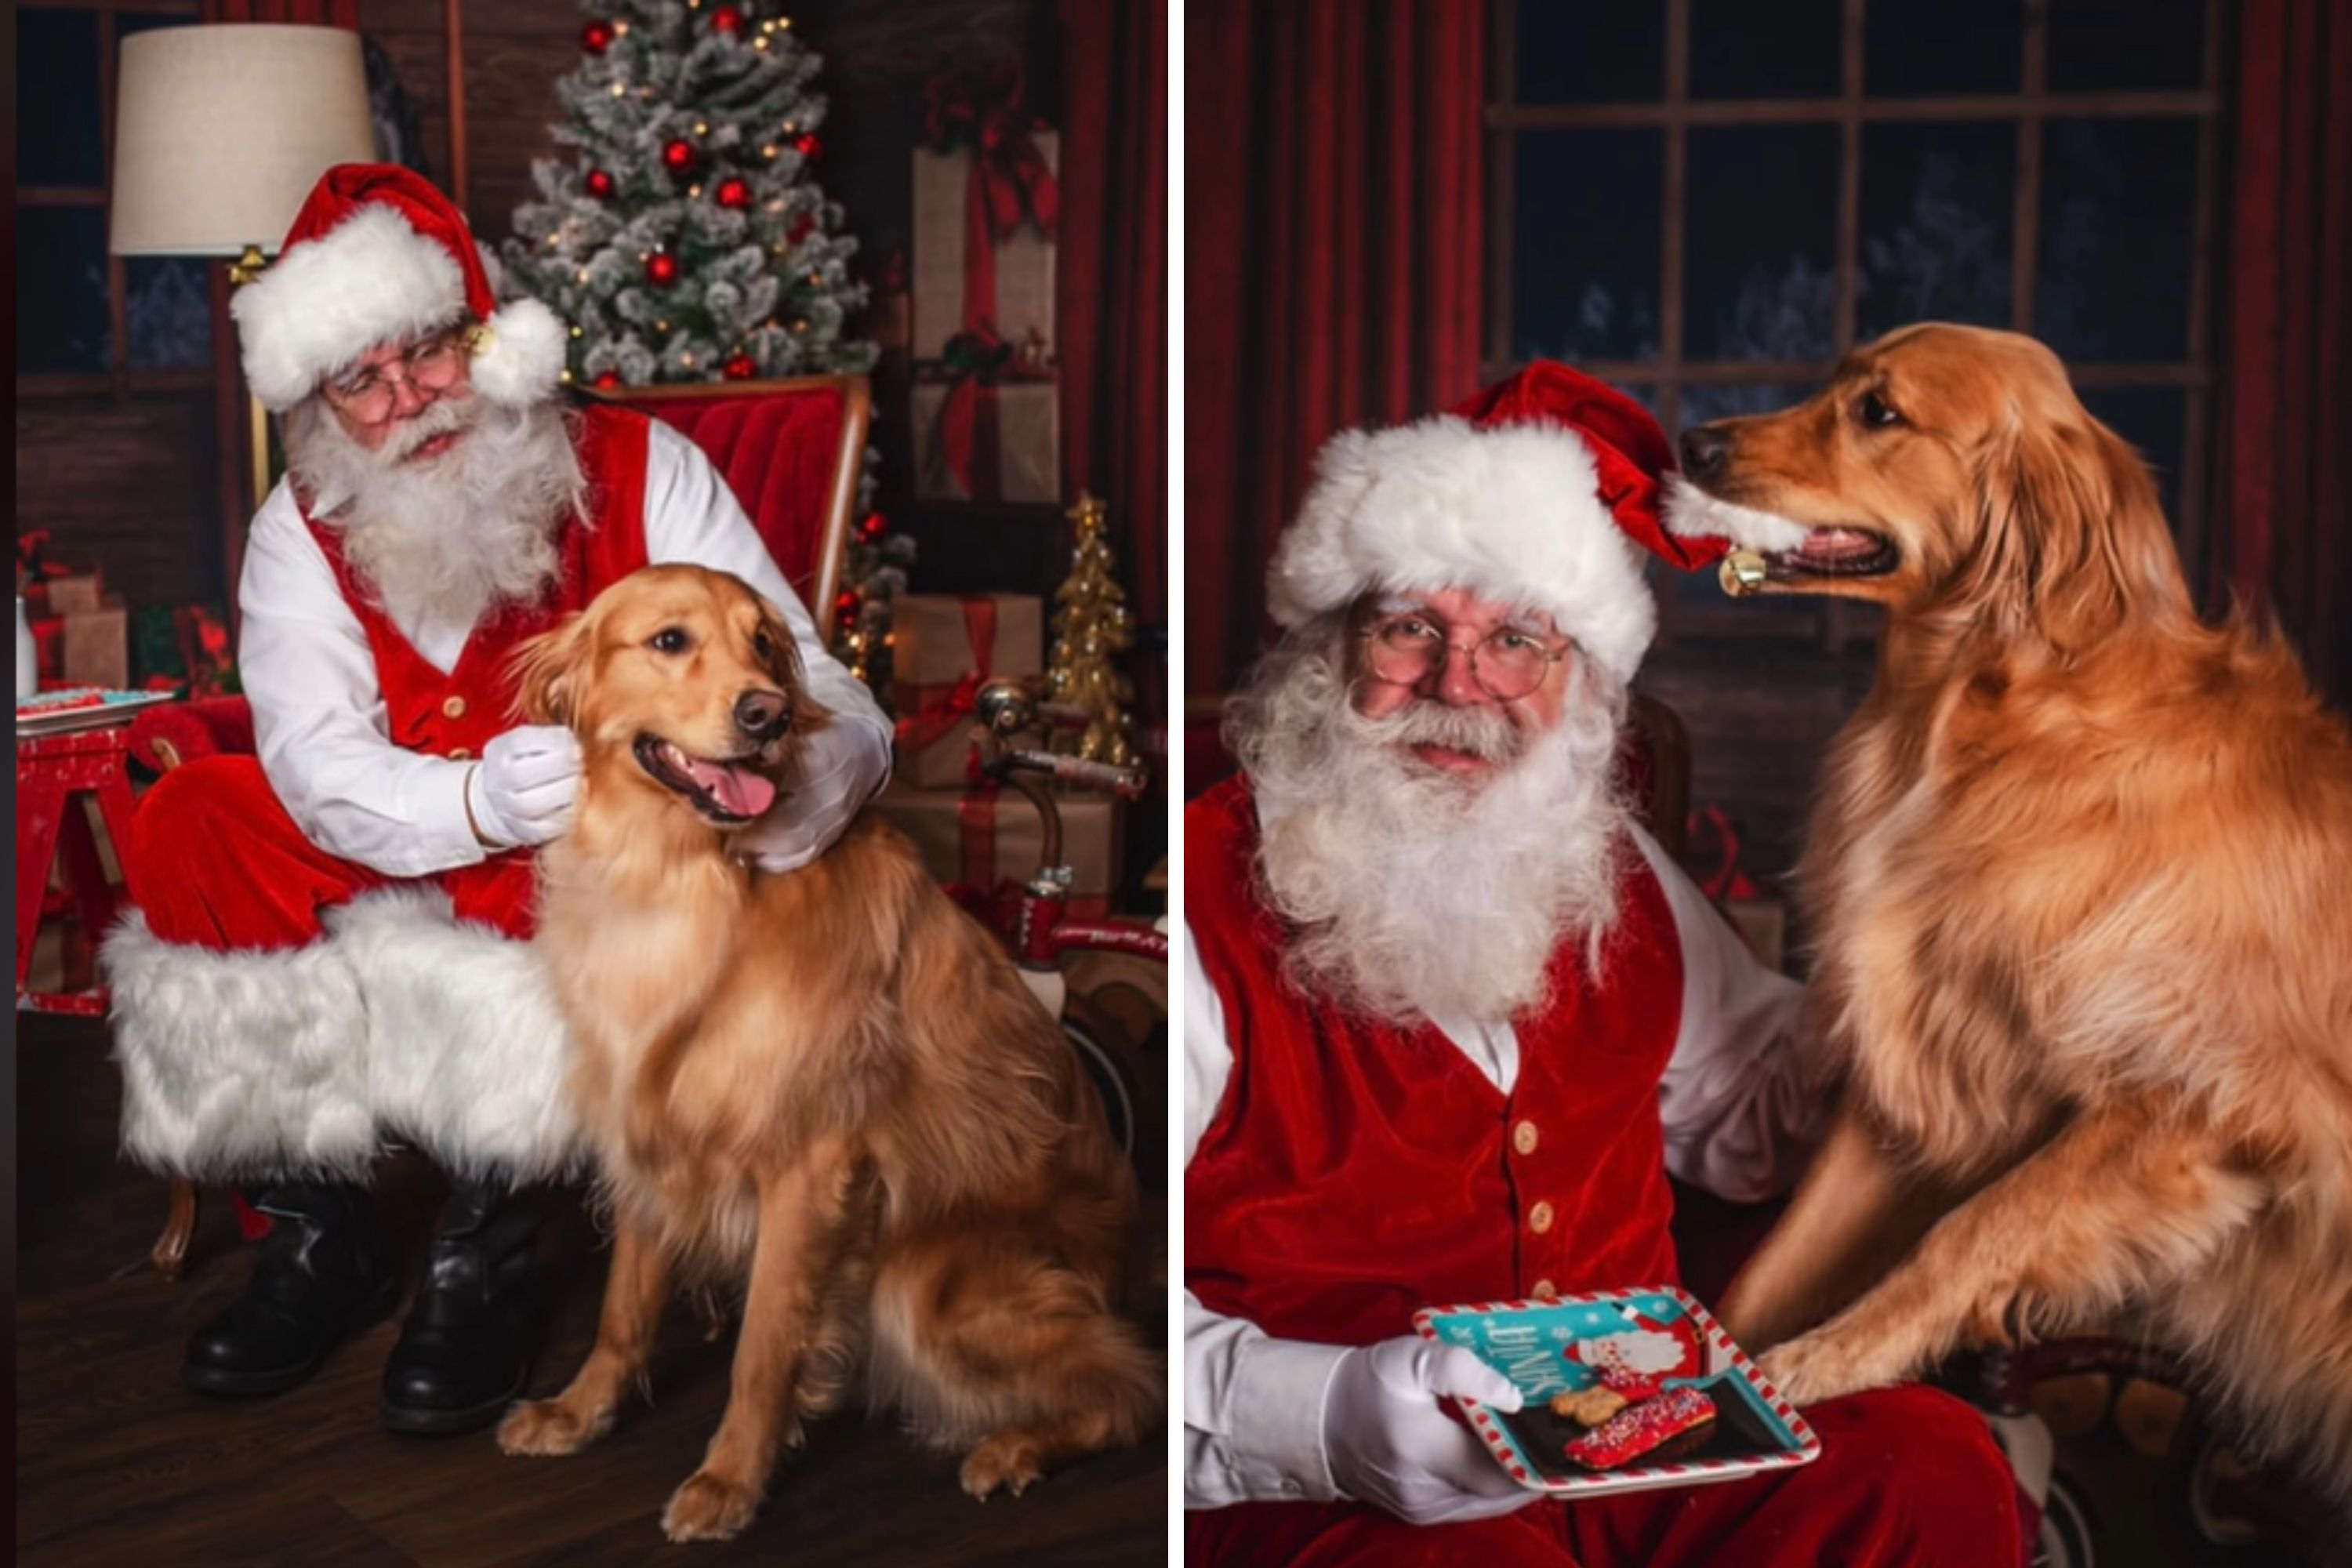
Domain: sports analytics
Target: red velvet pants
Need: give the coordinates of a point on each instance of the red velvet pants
(216, 861)
(1908, 1478)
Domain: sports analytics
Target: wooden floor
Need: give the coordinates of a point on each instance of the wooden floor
(118, 1463)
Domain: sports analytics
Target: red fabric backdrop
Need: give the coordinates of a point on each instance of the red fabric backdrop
(1111, 304)
(329, 13)
(2283, 510)
(1334, 234)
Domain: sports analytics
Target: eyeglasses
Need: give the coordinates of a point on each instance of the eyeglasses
(431, 366)
(1507, 663)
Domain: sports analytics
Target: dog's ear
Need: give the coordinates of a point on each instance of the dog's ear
(549, 669)
(2071, 541)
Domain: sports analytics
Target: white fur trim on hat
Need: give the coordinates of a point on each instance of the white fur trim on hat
(522, 359)
(1512, 513)
(1692, 512)
(402, 1022)
(371, 280)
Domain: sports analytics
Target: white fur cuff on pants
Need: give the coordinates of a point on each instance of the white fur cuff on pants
(400, 1023)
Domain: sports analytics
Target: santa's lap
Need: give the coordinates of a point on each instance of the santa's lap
(1908, 1477)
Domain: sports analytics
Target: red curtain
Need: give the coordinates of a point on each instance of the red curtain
(1111, 293)
(2284, 514)
(1334, 234)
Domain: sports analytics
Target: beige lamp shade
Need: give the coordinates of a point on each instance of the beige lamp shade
(220, 130)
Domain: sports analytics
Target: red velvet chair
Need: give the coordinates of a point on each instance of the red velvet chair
(791, 450)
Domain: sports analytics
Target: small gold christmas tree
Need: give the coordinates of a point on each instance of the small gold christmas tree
(1091, 626)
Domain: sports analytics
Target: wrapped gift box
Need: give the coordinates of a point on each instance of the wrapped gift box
(989, 842)
(942, 647)
(1024, 260)
(1019, 424)
(84, 638)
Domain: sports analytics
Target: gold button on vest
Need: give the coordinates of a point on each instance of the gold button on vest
(1539, 1218)
(458, 754)
(454, 709)
(1523, 1137)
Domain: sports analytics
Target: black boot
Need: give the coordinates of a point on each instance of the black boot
(464, 1352)
(317, 1276)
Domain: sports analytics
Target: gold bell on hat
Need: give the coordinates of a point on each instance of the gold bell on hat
(1741, 573)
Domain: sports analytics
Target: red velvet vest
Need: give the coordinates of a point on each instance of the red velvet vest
(457, 713)
(1356, 1171)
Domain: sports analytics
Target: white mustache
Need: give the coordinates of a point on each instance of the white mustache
(439, 418)
(1487, 733)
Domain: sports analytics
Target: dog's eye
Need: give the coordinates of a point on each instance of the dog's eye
(669, 640)
(763, 644)
(1875, 412)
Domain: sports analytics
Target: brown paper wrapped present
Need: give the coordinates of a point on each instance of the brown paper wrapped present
(1023, 258)
(1012, 450)
(943, 647)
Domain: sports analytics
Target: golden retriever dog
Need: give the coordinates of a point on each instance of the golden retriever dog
(830, 1081)
(2080, 884)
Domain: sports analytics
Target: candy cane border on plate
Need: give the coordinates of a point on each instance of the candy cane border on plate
(1682, 1472)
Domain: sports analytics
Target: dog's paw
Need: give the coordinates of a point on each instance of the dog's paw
(1006, 1459)
(547, 1427)
(1813, 1367)
(707, 1507)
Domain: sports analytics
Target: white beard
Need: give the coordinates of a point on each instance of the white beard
(445, 541)
(1415, 894)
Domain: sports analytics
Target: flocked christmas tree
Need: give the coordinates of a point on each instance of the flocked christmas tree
(688, 241)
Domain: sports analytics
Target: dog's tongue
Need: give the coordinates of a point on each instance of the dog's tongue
(740, 791)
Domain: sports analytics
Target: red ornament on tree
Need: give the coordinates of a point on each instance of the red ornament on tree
(844, 603)
(727, 19)
(596, 37)
(872, 525)
(609, 379)
(600, 184)
(808, 146)
(679, 156)
(741, 367)
(661, 269)
(802, 224)
(734, 192)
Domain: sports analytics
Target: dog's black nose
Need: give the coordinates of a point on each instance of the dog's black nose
(761, 714)
(1706, 449)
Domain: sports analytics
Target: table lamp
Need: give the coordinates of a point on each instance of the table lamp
(220, 132)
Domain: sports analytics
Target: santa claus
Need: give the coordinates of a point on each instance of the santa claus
(325, 954)
(1452, 1018)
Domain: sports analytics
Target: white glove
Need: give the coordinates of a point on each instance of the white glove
(1388, 1441)
(524, 790)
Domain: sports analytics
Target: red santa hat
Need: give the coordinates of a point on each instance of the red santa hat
(1542, 491)
(377, 256)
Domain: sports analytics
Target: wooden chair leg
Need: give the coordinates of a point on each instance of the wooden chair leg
(171, 1254)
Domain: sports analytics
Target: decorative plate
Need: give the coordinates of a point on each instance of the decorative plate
(1660, 1334)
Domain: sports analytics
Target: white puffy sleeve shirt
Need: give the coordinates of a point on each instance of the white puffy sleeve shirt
(319, 717)
(1740, 1118)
